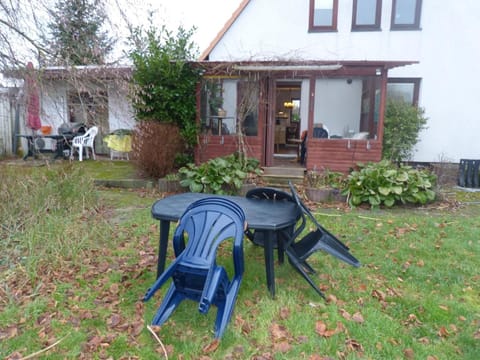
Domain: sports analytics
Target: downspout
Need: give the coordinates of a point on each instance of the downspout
(311, 113)
(381, 109)
(270, 121)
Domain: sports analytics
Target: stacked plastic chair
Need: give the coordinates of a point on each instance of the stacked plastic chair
(196, 276)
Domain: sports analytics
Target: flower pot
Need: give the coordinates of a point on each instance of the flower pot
(324, 195)
(167, 185)
(319, 195)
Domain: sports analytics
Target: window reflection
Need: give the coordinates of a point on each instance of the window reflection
(406, 14)
(323, 15)
(226, 104)
(348, 108)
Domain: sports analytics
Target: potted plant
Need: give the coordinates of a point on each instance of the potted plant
(170, 183)
(324, 185)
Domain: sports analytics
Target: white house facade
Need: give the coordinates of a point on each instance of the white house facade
(439, 38)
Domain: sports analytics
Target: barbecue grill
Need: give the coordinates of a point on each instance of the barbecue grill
(73, 128)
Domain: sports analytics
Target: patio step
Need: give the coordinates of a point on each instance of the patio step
(280, 176)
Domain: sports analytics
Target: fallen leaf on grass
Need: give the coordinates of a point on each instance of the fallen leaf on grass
(114, 320)
(279, 332)
(378, 294)
(409, 353)
(283, 346)
(345, 314)
(322, 330)
(358, 318)
(284, 313)
(213, 346)
(443, 332)
(354, 345)
(9, 332)
(412, 320)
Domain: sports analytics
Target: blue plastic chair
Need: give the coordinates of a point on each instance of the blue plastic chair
(270, 193)
(318, 239)
(196, 276)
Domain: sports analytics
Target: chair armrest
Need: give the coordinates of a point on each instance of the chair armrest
(166, 275)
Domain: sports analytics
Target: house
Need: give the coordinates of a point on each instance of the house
(335, 62)
(90, 95)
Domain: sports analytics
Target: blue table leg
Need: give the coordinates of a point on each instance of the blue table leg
(269, 238)
(162, 246)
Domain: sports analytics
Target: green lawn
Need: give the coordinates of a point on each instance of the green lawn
(76, 261)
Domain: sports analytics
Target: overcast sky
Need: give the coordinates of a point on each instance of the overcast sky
(208, 16)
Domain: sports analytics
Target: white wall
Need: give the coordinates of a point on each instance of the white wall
(447, 48)
(53, 110)
(450, 86)
(54, 106)
(120, 111)
(331, 95)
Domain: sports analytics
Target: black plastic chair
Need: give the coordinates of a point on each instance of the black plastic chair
(318, 239)
(196, 276)
(269, 193)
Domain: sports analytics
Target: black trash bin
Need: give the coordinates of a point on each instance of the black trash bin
(468, 173)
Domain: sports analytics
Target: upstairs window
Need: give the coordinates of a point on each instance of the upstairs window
(366, 15)
(323, 15)
(406, 14)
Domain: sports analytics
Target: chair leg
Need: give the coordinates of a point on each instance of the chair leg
(80, 153)
(225, 309)
(297, 264)
(169, 304)
(93, 153)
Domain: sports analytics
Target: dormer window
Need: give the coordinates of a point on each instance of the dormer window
(406, 14)
(366, 15)
(323, 15)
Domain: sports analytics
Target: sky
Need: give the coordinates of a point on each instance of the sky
(208, 16)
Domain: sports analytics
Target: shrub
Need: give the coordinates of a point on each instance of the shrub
(164, 89)
(402, 126)
(385, 183)
(222, 175)
(325, 179)
(155, 146)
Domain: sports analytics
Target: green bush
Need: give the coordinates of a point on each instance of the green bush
(402, 125)
(387, 184)
(164, 82)
(222, 175)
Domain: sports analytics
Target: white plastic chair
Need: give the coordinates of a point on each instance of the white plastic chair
(84, 141)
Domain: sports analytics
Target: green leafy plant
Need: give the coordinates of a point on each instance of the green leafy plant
(164, 81)
(222, 175)
(402, 125)
(385, 183)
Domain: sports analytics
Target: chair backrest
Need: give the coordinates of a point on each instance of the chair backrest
(89, 136)
(308, 213)
(360, 136)
(320, 132)
(278, 195)
(268, 193)
(206, 224)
